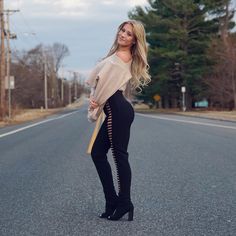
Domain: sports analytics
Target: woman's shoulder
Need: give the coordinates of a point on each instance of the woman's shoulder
(113, 64)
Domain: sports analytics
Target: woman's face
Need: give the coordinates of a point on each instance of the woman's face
(126, 36)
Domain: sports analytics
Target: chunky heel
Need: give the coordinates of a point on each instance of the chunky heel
(131, 214)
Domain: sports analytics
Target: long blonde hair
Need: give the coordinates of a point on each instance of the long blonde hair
(139, 66)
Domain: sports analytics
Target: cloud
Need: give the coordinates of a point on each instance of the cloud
(71, 4)
(53, 8)
(87, 27)
(9, 4)
(133, 3)
(70, 8)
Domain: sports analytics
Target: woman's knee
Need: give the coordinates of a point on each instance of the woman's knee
(94, 153)
(120, 153)
(98, 154)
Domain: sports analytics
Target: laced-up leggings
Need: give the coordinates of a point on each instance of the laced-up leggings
(114, 134)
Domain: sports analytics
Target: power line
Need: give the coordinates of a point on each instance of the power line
(25, 33)
(28, 28)
(31, 31)
(18, 30)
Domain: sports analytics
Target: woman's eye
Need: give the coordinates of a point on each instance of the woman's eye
(127, 32)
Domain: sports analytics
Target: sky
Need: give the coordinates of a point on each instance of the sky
(86, 27)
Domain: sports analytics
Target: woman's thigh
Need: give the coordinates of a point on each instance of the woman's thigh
(101, 144)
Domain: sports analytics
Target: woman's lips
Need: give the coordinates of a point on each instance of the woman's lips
(121, 39)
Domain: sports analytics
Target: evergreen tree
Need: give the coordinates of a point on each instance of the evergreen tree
(179, 34)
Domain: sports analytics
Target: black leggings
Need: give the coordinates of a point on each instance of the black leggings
(114, 133)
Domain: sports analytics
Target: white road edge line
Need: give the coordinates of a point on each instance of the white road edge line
(190, 122)
(35, 124)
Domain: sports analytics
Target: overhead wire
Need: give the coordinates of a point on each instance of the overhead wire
(31, 31)
(28, 30)
(18, 30)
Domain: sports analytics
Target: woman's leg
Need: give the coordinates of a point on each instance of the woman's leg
(118, 134)
(99, 156)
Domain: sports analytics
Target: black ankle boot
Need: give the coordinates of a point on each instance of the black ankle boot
(121, 211)
(109, 209)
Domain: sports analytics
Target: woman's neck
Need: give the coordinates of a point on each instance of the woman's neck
(123, 49)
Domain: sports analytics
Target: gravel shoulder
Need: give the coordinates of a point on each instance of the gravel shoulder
(217, 115)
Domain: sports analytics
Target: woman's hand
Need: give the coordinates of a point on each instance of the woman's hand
(92, 103)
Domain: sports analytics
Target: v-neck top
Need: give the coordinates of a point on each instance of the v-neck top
(108, 76)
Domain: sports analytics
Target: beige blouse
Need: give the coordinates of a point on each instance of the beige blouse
(108, 76)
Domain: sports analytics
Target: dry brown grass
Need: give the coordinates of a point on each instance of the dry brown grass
(224, 115)
(25, 115)
(29, 115)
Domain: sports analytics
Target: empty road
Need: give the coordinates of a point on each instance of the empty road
(183, 178)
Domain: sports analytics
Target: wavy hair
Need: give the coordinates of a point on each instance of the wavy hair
(139, 66)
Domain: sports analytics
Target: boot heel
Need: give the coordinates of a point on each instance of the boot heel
(131, 214)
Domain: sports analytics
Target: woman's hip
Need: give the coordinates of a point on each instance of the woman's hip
(119, 107)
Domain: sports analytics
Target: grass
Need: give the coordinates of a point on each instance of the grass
(26, 115)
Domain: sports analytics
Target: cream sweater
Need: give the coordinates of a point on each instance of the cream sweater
(108, 76)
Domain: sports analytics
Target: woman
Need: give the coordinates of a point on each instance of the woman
(125, 67)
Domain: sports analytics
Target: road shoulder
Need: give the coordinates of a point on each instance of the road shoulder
(213, 115)
(28, 115)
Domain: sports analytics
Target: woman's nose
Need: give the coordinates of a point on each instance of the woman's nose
(123, 34)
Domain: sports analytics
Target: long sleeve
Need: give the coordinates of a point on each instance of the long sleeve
(112, 74)
(110, 78)
(91, 81)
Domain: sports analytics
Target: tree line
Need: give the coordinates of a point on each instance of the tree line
(30, 68)
(191, 44)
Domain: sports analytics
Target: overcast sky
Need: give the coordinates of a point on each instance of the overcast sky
(87, 27)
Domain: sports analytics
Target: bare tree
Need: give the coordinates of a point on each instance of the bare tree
(59, 52)
(55, 55)
(222, 80)
(28, 69)
(229, 47)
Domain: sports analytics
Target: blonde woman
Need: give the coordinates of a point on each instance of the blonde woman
(125, 67)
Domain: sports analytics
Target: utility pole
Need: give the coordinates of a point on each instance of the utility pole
(75, 85)
(45, 82)
(69, 92)
(2, 61)
(9, 36)
(62, 89)
(62, 85)
(70, 84)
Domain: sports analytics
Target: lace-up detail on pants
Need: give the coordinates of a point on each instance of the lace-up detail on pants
(109, 131)
(114, 134)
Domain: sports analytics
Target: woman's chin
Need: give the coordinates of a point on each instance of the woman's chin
(121, 42)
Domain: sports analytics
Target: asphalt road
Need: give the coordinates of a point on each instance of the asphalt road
(183, 179)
